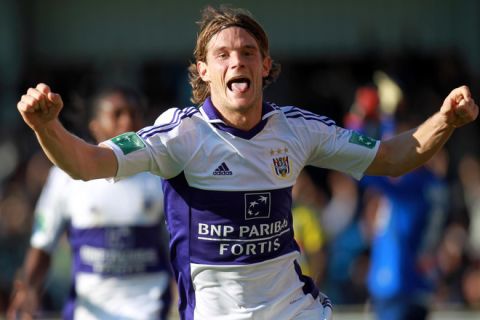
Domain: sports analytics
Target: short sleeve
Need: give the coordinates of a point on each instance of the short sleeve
(346, 151)
(50, 218)
(156, 149)
(132, 153)
(330, 146)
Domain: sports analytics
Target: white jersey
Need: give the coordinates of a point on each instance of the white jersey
(117, 234)
(228, 204)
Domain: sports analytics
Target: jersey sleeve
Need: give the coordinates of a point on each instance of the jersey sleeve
(332, 147)
(344, 150)
(50, 219)
(148, 149)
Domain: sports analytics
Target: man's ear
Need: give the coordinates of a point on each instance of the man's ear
(267, 65)
(202, 70)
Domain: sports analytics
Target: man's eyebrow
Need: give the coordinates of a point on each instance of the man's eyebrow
(219, 48)
(251, 46)
(247, 46)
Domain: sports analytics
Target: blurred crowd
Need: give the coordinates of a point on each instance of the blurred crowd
(336, 218)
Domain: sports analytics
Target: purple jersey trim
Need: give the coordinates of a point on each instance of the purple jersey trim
(300, 113)
(178, 116)
(309, 286)
(69, 307)
(178, 225)
(215, 117)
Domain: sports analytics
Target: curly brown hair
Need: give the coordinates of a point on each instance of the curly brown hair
(213, 21)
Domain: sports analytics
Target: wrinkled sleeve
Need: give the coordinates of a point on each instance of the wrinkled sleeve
(146, 150)
(336, 148)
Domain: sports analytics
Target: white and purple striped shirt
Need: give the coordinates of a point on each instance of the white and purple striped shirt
(119, 250)
(228, 204)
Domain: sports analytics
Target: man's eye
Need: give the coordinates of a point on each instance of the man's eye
(117, 114)
(249, 53)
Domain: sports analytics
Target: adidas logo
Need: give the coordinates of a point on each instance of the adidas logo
(222, 170)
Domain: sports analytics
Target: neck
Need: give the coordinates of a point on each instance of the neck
(242, 121)
(244, 118)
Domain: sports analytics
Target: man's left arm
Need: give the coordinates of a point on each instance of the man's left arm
(409, 150)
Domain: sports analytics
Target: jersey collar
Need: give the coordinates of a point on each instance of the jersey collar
(212, 116)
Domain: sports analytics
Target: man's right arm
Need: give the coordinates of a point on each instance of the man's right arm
(40, 108)
(411, 149)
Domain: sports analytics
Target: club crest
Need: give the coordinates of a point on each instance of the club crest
(281, 165)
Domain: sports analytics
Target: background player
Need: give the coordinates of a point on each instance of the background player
(116, 231)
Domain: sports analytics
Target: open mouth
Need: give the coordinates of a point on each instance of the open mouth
(238, 85)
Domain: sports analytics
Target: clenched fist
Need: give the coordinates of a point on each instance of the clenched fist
(459, 108)
(39, 106)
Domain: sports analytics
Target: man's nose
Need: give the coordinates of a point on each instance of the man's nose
(126, 121)
(237, 60)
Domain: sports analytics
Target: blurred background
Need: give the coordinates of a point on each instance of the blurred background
(410, 53)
